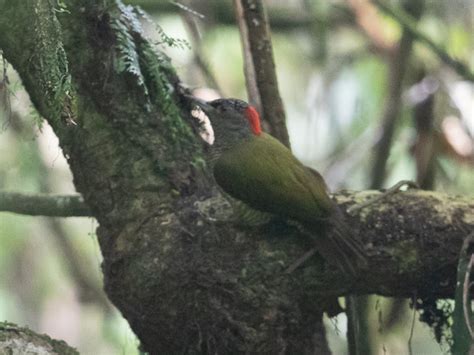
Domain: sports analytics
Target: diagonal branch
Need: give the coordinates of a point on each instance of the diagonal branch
(370, 23)
(409, 25)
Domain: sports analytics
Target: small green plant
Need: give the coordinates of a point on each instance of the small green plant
(166, 40)
(128, 59)
(150, 67)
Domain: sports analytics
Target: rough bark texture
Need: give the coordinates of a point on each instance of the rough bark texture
(187, 284)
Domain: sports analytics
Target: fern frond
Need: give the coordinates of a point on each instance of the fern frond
(128, 60)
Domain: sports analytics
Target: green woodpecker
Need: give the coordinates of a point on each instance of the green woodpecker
(256, 169)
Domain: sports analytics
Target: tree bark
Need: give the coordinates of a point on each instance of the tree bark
(185, 283)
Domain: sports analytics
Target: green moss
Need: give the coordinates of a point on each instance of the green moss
(158, 70)
(151, 70)
(406, 253)
(53, 64)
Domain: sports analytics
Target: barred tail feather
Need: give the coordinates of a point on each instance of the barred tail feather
(352, 253)
(338, 246)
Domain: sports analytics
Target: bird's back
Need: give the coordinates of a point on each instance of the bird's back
(264, 174)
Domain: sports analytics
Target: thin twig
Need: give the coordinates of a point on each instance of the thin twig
(221, 13)
(188, 9)
(40, 204)
(190, 23)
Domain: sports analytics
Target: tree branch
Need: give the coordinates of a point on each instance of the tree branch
(249, 69)
(82, 274)
(397, 70)
(261, 50)
(44, 204)
(220, 12)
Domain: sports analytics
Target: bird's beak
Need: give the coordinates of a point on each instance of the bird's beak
(203, 105)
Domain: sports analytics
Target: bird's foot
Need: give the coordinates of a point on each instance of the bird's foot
(390, 191)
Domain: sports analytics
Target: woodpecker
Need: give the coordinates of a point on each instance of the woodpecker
(257, 170)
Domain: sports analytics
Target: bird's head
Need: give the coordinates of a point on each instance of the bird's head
(237, 113)
(232, 119)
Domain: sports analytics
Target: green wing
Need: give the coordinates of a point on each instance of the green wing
(264, 174)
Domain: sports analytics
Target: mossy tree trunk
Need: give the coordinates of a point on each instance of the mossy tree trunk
(184, 283)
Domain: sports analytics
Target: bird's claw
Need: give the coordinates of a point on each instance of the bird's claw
(390, 191)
